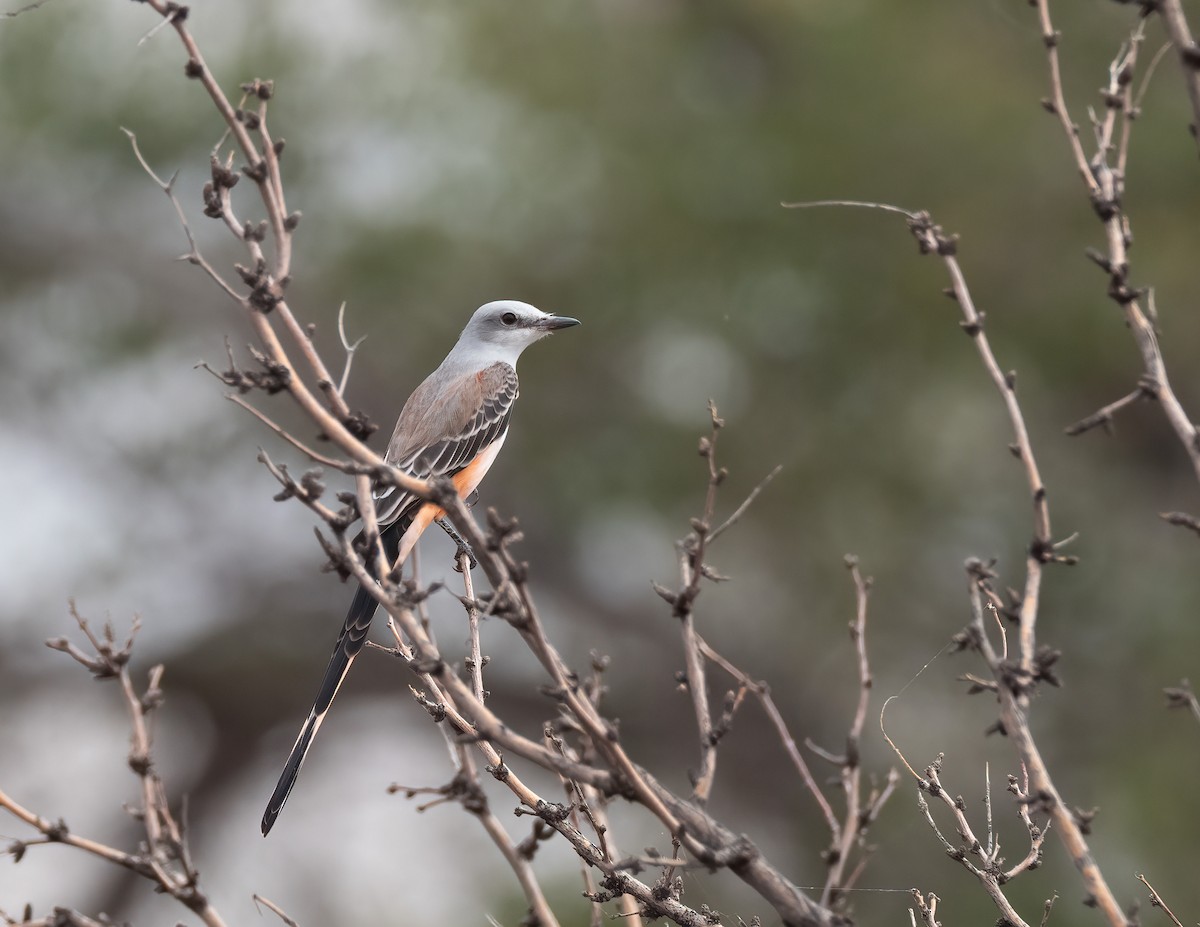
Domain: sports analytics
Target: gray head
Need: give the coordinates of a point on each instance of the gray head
(501, 330)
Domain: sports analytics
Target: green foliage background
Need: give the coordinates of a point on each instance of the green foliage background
(622, 162)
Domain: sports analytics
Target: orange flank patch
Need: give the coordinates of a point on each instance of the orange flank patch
(466, 481)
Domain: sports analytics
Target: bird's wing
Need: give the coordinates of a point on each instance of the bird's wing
(443, 427)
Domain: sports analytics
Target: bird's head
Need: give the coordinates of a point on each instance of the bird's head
(509, 326)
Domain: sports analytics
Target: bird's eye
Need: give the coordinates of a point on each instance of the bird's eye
(509, 318)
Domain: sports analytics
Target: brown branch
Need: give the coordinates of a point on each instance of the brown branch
(1182, 519)
(27, 8)
(1104, 416)
(854, 823)
(475, 654)
(1156, 901)
(553, 814)
(1189, 54)
(763, 693)
(521, 865)
(592, 803)
(1057, 103)
(692, 571)
(1037, 835)
(1047, 908)
(1016, 680)
(1182, 696)
(164, 858)
(521, 613)
(710, 842)
(692, 550)
(1015, 724)
(931, 239)
(58, 917)
(987, 870)
(466, 787)
(193, 255)
(350, 349)
(1042, 549)
(1105, 188)
(579, 798)
(344, 466)
(57, 832)
(274, 909)
(268, 282)
(702, 836)
(1014, 693)
(926, 907)
(746, 503)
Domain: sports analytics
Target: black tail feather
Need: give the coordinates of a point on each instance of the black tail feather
(350, 641)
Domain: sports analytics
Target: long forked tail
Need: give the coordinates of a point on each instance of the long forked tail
(350, 641)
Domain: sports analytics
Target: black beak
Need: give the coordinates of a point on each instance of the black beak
(553, 323)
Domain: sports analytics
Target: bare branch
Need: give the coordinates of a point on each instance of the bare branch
(1156, 901)
(1105, 188)
(746, 503)
(164, 858)
(193, 256)
(1182, 519)
(1015, 724)
(855, 822)
(349, 348)
(27, 8)
(1189, 54)
(987, 868)
(1182, 696)
(274, 909)
(334, 464)
(763, 693)
(1104, 416)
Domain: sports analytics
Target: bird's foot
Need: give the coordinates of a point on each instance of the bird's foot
(464, 549)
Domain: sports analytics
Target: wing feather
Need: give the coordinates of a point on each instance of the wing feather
(443, 427)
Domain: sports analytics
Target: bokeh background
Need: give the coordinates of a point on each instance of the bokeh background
(620, 161)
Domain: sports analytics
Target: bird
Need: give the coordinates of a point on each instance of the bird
(453, 425)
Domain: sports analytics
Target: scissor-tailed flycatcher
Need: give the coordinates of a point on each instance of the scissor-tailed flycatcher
(452, 425)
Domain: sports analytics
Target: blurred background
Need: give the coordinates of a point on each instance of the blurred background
(622, 162)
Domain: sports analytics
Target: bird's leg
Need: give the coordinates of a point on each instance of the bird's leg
(463, 546)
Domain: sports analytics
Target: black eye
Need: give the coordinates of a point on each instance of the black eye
(509, 318)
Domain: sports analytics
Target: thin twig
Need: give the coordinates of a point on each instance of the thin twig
(746, 503)
(851, 769)
(345, 466)
(349, 348)
(193, 256)
(12, 14)
(1182, 696)
(274, 909)
(1181, 519)
(1104, 416)
(1156, 901)
(763, 694)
